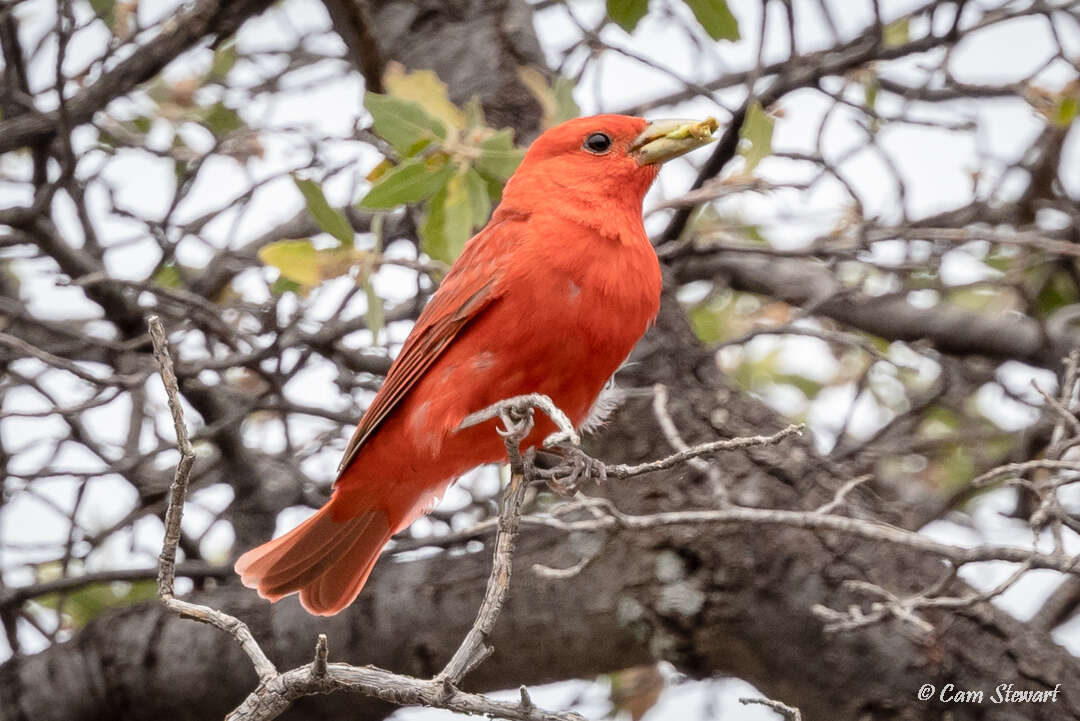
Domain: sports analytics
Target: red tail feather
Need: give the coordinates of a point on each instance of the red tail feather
(326, 561)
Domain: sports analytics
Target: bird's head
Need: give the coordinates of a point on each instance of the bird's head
(601, 164)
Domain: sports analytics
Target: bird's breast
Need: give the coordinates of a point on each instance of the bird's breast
(600, 290)
(581, 303)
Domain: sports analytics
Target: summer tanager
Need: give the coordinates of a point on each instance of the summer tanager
(550, 297)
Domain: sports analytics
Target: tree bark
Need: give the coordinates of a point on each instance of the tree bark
(711, 600)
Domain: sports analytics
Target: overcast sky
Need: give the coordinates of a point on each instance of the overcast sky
(936, 164)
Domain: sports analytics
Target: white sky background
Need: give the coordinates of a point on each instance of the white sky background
(936, 165)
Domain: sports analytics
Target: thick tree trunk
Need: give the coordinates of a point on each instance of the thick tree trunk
(711, 600)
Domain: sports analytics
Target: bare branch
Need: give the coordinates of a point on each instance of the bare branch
(176, 35)
(788, 712)
(174, 513)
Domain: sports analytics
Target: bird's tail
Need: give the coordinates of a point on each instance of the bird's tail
(327, 561)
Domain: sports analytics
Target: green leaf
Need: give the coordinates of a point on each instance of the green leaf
(627, 13)
(284, 285)
(424, 88)
(159, 91)
(181, 170)
(336, 262)
(1001, 259)
(87, 603)
(220, 119)
(374, 315)
(224, 60)
(809, 387)
(756, 136)
(403, 123)
(107, 139)
(106, 10)
(980, 300)
(494, 188)
(474, 113)
(498, 157)
(297, 260)
(715, 18)
(413, 180)
(871, 86)
(331, 220)
(953, 470)
(924, 278)
(895, 33)
(939, 422)
(448, 222)
(168, 276)
(384, 167)
(708, 324)
(479, 198)
(556, 101)
(432, 235)
(457, 211)
(565, 106)
(1068, 107)
(1058, 292)
(753, 234)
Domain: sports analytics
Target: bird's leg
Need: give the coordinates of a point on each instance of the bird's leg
(561, 438)
(513, 411)
(517, 423)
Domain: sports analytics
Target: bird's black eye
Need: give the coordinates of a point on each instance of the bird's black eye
(598, 143)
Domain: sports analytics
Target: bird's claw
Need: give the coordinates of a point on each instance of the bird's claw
(576, 469)
(517, 422)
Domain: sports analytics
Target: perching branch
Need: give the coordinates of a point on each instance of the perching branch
(174, 514)
(277, 690)
(517, 417)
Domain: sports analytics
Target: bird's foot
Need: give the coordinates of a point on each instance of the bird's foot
(576, 469)
(563, 437)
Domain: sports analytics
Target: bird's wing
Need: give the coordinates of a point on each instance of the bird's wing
(470, 286)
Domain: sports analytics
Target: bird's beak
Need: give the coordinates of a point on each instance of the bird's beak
(663, 140)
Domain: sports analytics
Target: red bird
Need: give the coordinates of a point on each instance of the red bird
(550, 297)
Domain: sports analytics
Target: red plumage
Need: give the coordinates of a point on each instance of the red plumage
(550, 297)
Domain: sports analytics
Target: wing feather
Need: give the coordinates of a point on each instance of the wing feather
(470, 287)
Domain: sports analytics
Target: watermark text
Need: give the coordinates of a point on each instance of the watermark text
(1000, 694)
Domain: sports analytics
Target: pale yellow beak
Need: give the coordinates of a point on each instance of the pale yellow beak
(663, 140)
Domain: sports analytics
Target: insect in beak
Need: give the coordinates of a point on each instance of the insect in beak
(663, 140)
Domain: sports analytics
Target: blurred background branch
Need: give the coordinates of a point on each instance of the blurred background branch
(882, 246)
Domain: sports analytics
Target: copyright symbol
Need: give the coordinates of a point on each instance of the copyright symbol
(926, 692)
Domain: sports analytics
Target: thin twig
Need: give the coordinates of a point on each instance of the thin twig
(1023, 467)
(264, 668)
(318, 666)
(622, 471)
(1063, 413)
(788, 712)
(193, 569)
(671, 433)
(516, 415)
(178, 488)
(18, 344)
(276, 691)
(841, 494)
(867, 529)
